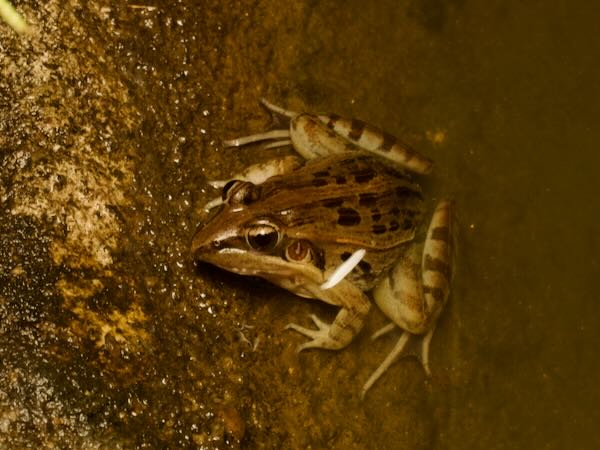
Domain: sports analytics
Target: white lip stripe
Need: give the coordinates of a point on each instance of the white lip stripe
(344, 269)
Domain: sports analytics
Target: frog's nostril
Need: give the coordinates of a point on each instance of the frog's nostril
(216, 244)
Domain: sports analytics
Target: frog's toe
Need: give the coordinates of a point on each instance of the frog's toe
(213, 204)
(320, 337)
(319, 323)
(387, 362)
(217, 184)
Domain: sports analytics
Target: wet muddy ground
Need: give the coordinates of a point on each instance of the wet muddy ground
(112, 117)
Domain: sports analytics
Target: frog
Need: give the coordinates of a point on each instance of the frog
(333, 224)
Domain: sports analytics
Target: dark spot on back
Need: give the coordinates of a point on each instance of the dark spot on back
(319, 259)
(350, 147)
(339, 179)
(364, 176)
(333, 203)
(395, 211)
(344, 256)
(321, 173)
(378, 229)
(367, 199)
(365, 266)
(405, 191)
(393, 225)
(407, 224)
(348, 217)
(376, 215)
(356, 161)
(319, 182)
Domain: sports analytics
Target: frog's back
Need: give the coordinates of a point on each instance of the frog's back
(353, 199)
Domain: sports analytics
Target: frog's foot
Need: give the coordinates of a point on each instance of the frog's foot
(396, 353)
(320, 337)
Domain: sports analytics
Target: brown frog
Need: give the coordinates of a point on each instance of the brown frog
(335, 227)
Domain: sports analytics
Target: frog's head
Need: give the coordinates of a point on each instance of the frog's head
(243, 239)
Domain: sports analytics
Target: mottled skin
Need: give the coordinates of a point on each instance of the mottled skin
(296, 226)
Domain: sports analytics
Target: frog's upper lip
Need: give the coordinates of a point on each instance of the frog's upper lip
(210, 234)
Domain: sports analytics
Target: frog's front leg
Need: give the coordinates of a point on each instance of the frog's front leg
(349, 321)
(415, 292)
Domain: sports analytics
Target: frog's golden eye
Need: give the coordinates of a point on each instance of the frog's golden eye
(263, 237)
(299, 251)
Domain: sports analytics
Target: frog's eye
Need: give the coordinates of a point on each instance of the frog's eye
(263, 237)
(240, 192)
(299, 251)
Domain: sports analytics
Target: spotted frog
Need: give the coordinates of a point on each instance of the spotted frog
(353, 206)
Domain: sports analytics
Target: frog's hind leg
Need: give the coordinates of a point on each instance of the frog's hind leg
(415, 292)
(377, 141)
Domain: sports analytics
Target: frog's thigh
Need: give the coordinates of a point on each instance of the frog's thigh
(414, 294)
(312, 139)
(314, 136)
(416, 290)
(374, 140)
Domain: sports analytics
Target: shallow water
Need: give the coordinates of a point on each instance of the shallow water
(106, 148)
(510, 92)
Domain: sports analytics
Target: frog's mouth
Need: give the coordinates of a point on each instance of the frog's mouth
(270, 267)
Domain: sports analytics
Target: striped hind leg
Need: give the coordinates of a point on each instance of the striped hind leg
(415, 292)
(374, 140)
(317, 135)
(342, 134)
